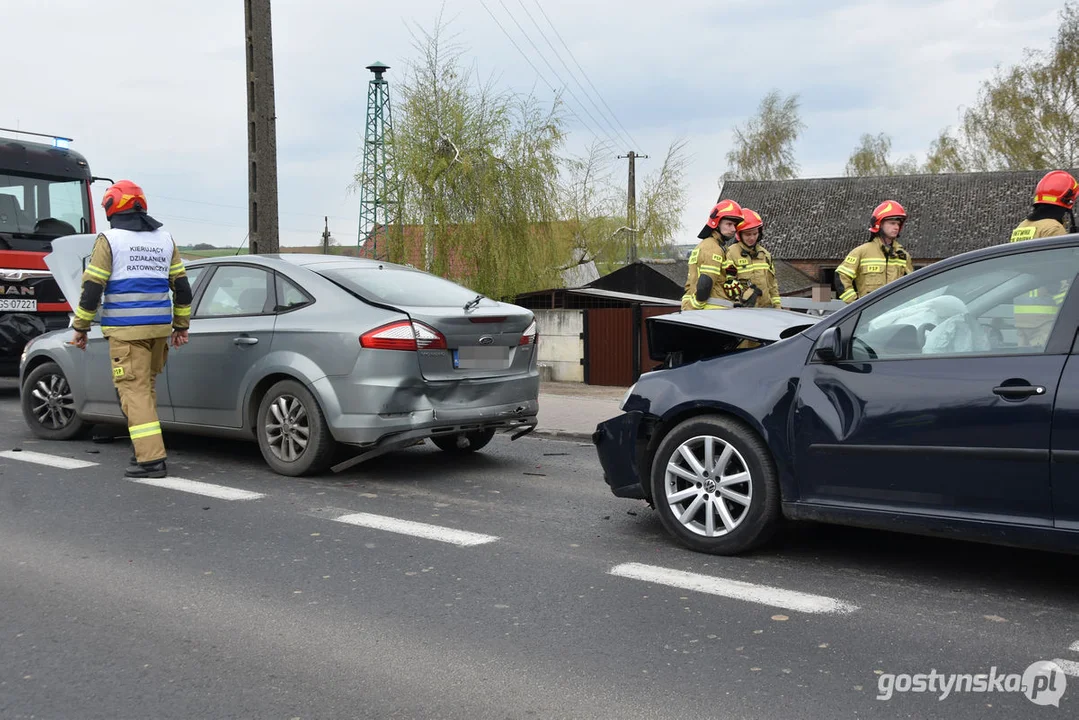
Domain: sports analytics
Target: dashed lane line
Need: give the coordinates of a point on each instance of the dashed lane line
(220, 492)
(1074, 646)
(408, 527)
(1070, 667)
(56, 461)
(736, 589)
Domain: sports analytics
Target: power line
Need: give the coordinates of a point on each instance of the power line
(607, 145)
(572, 57)
(555, 72)
(241, 207)
(572, 74)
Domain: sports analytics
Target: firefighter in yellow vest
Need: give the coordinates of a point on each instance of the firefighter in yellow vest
(753, 262)
(881, 260)
(710, 257)
(1054, 197)
(134, 266)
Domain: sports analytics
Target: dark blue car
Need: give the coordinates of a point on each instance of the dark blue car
(945, 403)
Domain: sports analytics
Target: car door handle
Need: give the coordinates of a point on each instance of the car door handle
(244, 341)
(1015, 392)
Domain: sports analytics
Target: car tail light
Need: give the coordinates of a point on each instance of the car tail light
(404, 335)
(530, 335)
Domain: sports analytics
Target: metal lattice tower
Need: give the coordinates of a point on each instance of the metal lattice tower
(378, 202)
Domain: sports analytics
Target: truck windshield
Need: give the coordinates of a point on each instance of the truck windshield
(40, 207)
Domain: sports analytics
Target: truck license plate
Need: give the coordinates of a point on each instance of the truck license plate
(11, 305)
(482, 357)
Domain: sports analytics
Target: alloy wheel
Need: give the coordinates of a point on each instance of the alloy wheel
(287, 428)
(52, 403)
(708, 488)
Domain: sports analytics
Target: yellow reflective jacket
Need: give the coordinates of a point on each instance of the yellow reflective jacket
(868, 267)
(756, 265)
(708, 257)
(1038, 307)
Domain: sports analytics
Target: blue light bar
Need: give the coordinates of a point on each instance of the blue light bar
(60, 142)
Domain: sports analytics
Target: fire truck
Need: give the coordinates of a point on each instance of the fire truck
(44, 194)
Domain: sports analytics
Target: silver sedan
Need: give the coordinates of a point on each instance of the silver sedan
(305, 353)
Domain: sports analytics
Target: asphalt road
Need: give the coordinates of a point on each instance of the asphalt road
(125, 600)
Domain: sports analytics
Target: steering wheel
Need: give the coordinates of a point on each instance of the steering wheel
(865, 346)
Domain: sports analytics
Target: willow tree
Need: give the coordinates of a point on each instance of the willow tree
(872, 157)
(764, 148)
(1026, 116)
(595, 205)
(477, 170)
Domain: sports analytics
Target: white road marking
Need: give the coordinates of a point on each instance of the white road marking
(763, 594)
(199, 488)
(408, 527)
(1074, 646)
(56, 461)
(1068, 666)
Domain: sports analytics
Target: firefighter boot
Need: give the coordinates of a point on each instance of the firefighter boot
(153, 469)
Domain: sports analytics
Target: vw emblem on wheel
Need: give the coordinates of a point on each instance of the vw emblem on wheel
(487, 340)
(709, 486)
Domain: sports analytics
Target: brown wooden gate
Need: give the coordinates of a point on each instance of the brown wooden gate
(647, 311)
(609, 346)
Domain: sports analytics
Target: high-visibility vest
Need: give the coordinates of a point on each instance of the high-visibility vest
(137, 292)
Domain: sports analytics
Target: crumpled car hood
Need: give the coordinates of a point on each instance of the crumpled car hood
(699, 334)
(69, 257)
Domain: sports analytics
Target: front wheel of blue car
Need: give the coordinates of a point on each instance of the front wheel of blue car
(714, 486)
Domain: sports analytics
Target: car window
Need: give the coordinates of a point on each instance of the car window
(400, 286)
(235, 290)
(289, 296)
(996, 306)
(192, 279)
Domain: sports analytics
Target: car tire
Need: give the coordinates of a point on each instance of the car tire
(473, 441)
(48, 406)
(745, 526)
(292, 431)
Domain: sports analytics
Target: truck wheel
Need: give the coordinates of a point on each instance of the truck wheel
(48, 406)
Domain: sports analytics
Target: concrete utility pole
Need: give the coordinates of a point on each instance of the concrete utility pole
(326, 237)
(261, 130)
(631, 206)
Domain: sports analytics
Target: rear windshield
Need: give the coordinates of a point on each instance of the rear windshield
(395, 286)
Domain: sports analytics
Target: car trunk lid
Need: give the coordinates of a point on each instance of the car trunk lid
(486, 341)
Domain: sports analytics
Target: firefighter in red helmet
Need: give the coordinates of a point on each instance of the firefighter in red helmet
(138, 281)
(881, 259)
(1054, 198)
(753, 262)
(709, 258)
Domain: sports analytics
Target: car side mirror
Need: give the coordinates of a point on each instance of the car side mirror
(830, 345)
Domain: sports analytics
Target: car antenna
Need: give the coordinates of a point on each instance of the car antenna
(241, 245)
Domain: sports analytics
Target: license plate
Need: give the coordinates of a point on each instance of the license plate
(487, 358)
(11, 305)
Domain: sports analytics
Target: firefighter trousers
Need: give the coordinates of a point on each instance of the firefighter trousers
(135, 367)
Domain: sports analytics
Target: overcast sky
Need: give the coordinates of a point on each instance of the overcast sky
(154, 91)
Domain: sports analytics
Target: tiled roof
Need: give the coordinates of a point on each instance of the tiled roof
(948, 214)
(674, 270)
(790, 279)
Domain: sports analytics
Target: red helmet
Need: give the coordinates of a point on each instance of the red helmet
(122, 196)
(752, 220)
(1057, 188)
(723, 209)
(887, 210)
